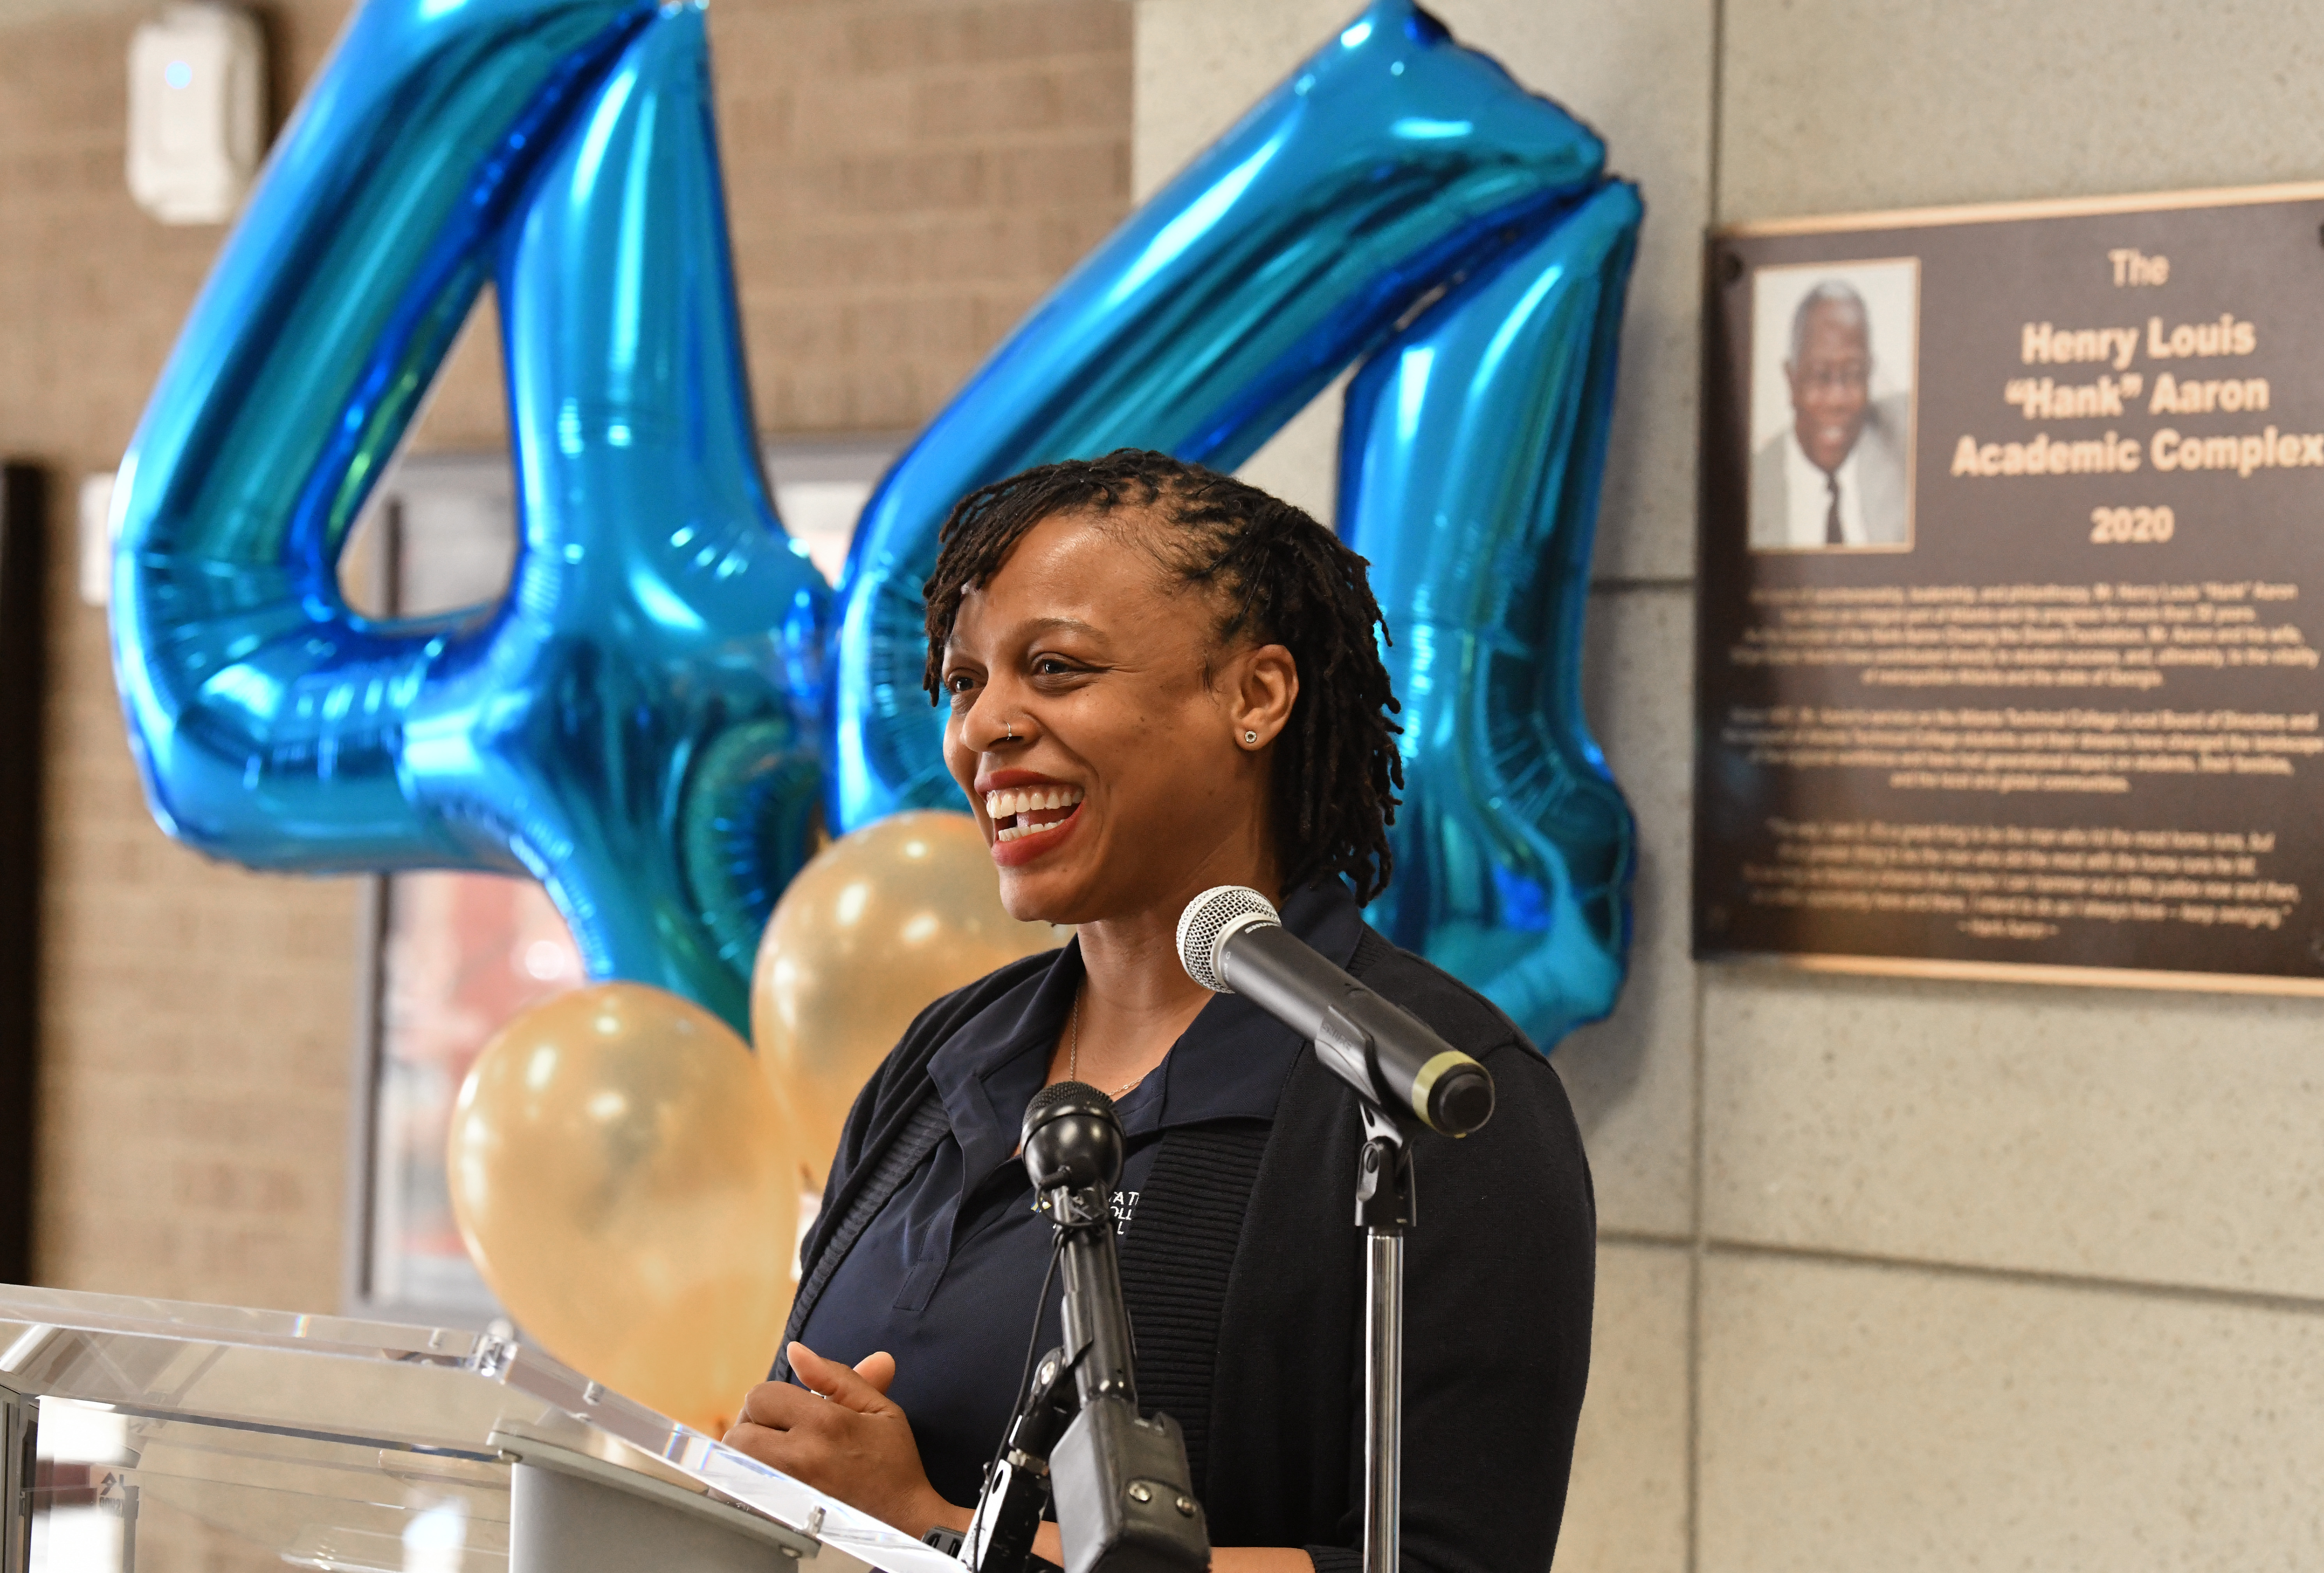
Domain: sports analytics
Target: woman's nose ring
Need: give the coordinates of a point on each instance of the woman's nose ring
(1010, 736)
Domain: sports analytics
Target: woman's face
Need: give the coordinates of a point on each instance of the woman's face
(1128, 785)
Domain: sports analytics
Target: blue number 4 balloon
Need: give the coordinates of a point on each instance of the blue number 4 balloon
(624, 723)
(648, 718)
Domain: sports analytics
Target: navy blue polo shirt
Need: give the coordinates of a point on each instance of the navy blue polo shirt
(945, 1277)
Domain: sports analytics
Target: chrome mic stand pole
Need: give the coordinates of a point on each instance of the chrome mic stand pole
(1384, 1212)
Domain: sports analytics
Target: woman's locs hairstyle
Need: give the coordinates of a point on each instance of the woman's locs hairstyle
(1279, 577)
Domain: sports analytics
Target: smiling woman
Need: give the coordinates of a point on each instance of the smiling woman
(1162, 679)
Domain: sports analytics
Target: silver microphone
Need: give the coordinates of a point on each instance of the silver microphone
(1232, 940)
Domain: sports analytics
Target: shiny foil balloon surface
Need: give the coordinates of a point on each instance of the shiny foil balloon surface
(1470, 459)
(625, 1181)
(876, 929)
(646, 720)
(635, 722)
(1392, 160)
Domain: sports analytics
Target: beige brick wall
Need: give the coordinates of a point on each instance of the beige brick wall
(906, 177)
(909, 176)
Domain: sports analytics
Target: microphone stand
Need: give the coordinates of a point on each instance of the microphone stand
(1231, 940)
(1384, 1212)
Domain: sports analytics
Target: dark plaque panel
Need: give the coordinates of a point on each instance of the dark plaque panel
(23, 589)
(2011, 519)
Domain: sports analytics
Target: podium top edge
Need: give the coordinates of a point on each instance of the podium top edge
(80, 1312)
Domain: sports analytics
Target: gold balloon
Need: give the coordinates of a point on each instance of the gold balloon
(879, 924)
(627, 1183)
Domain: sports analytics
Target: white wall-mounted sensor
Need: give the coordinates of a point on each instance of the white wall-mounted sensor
(196, 112)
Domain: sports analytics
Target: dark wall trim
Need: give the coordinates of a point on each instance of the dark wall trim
(23, 688)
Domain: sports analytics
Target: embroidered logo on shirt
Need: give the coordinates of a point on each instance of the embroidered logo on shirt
(1125, 1206)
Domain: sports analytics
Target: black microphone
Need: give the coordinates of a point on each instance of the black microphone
(1073, 1147)
(1233, 941)
(1125, 1497)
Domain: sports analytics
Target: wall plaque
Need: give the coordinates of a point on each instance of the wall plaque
(2012, 530)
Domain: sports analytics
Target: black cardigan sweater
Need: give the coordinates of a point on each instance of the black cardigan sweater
(1244, 1271)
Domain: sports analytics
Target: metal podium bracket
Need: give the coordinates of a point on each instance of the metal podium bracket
(18, 1421)
(568, 1514)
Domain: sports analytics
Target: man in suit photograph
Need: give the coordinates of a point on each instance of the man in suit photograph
(1836, 477)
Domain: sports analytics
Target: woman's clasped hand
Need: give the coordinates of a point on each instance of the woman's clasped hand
(845, 1436)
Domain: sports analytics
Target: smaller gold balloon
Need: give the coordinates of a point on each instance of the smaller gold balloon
(627, 1183)
(879, 925)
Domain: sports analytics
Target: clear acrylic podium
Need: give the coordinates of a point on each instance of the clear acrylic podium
(145, 1435)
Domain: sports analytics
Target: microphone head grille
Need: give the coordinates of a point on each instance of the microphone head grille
(1071, 1136)
(1209, 918)
(1077, 1093)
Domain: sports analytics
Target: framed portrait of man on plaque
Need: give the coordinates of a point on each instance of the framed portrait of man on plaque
(1833, 353)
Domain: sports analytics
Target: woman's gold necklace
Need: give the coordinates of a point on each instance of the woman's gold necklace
(1073, 1050)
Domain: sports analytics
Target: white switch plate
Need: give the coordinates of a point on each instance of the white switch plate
(97, 538)
(197, 109)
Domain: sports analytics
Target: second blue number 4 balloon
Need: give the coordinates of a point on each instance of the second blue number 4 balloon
(1392, 163)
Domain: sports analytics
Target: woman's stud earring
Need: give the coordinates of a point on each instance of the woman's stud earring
(1250, 737)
